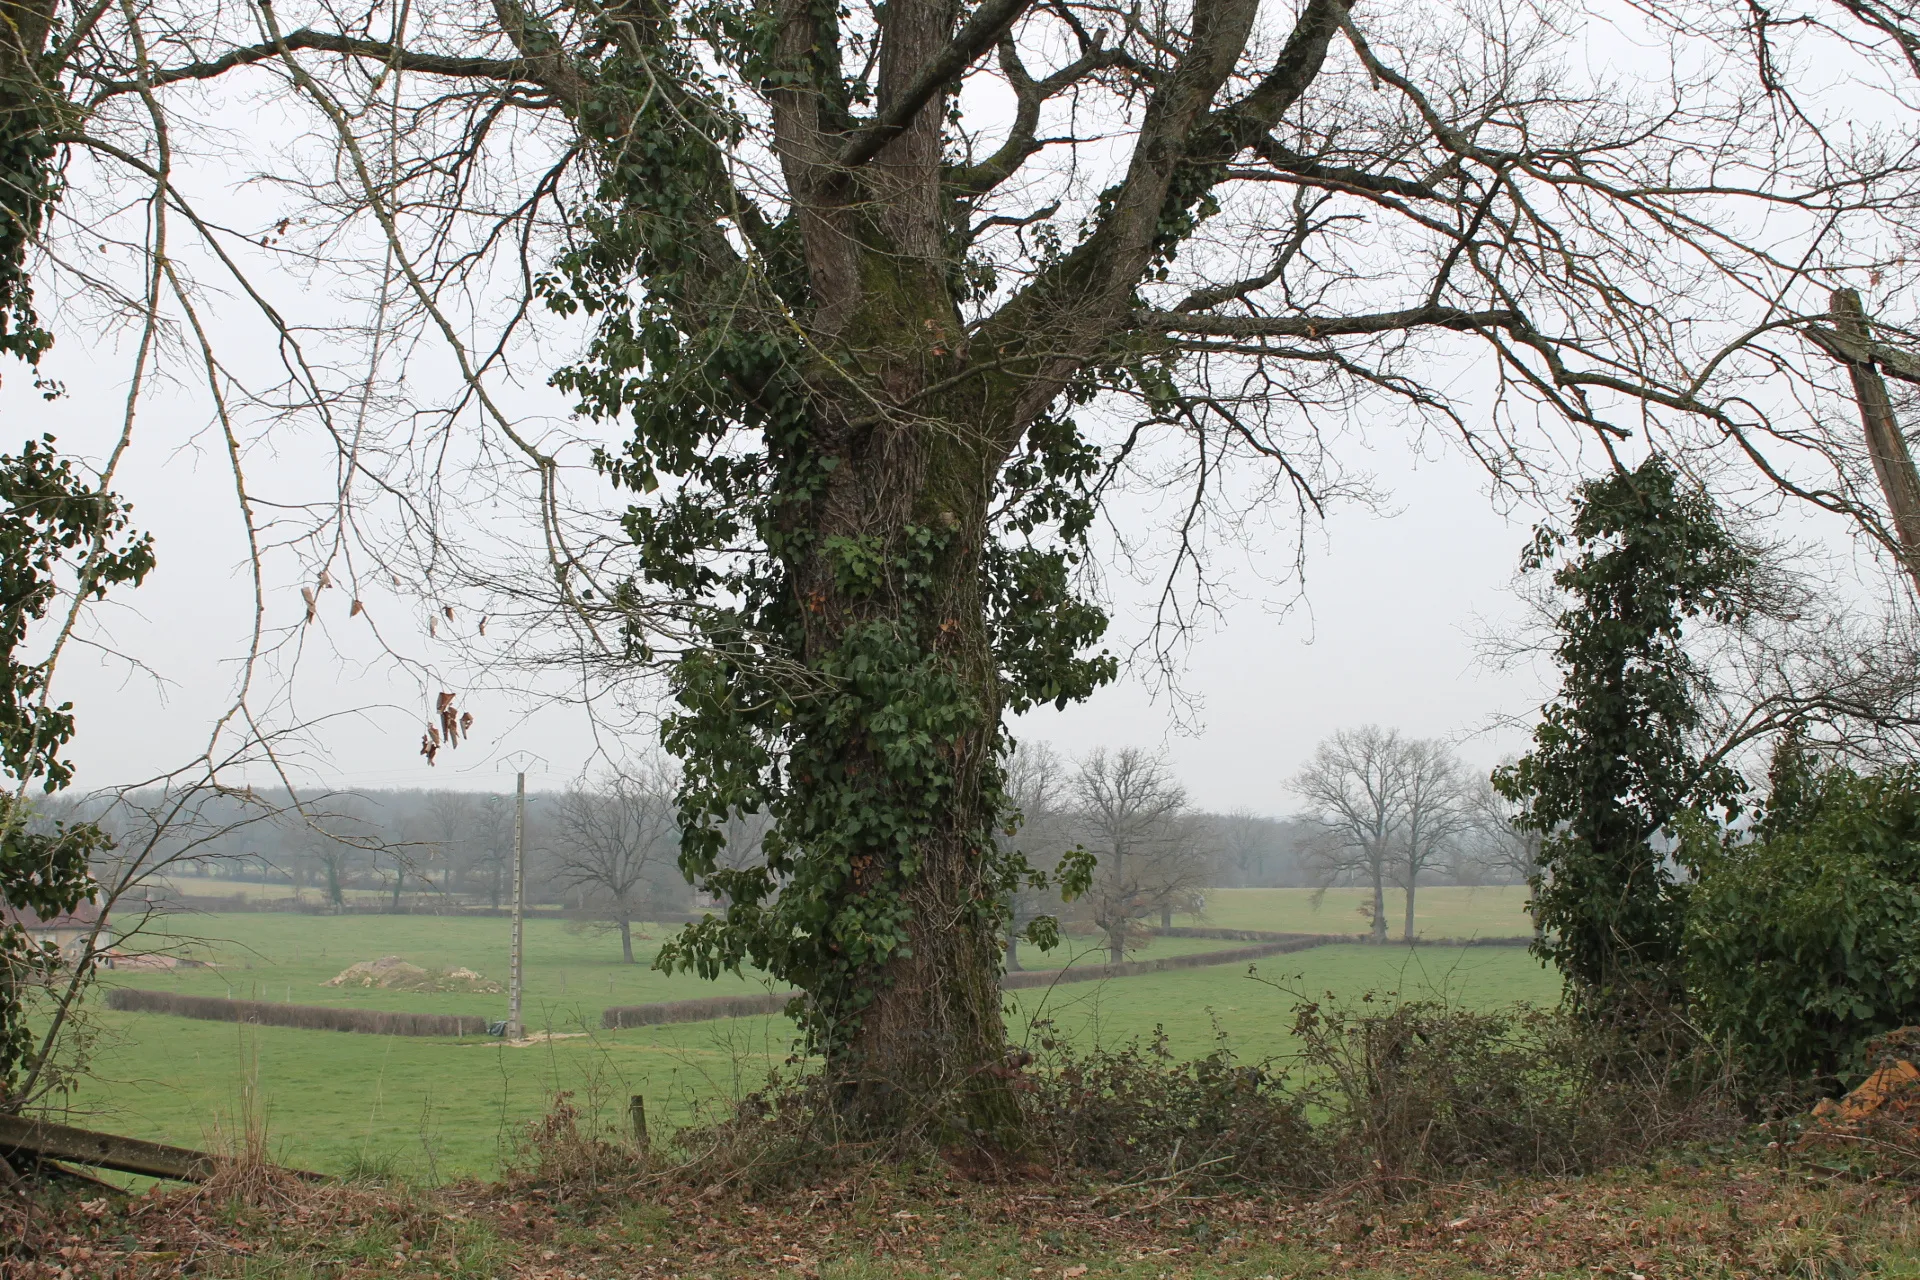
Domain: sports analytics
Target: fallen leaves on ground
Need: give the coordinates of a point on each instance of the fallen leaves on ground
(1733, 1217)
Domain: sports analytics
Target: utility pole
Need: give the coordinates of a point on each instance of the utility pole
(1850, 341)
(516, 965)
(514, 1030)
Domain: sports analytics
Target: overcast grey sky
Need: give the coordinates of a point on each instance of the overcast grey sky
(1383, 632)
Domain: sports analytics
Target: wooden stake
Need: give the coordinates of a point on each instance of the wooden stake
(1892, 463)
(637, 1111)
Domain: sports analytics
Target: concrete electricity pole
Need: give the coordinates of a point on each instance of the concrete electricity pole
(514, 1030)
(516, 966)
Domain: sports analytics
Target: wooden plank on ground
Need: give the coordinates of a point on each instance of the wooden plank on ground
(50, 1141)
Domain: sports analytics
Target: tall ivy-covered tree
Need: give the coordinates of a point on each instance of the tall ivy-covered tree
(885, 302)
(59, 537)
(1615, 757)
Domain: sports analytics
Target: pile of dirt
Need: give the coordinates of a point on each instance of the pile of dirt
(391, 973)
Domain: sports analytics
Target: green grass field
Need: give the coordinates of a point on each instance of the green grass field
(1439, 911)
(435, 1109)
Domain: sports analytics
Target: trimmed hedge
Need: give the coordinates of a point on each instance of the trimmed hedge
(1280, 944)
(309, 1017)
(1257, 935)
(702, 1010)
(648, 1015)
(1252, 935)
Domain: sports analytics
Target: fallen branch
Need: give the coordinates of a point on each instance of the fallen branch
(46, 1140)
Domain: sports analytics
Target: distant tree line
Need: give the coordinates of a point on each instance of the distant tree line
(607, 845)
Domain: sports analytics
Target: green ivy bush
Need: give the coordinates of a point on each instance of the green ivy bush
(1805, 943)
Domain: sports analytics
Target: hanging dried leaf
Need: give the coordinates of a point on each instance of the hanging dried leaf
(357, 609)
(483, 624)
(433, 626)
(429, 745)
(449, 613)
(466, 723)
(326, 580)
(449, 719)
(313, 611)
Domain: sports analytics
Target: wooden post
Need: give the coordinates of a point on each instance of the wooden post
(1892, 463)
(637, 1112)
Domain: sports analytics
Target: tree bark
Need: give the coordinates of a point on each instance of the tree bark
(626, 938)
(1409, 925)
(1379, 931)
(1892, 463)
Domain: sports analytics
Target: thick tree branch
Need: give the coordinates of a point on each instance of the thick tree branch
(503, 70)
(978, 34)
(1030, 95)
(1321, 326)
(1287, 160)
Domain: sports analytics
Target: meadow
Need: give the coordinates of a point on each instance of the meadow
(1439, 911)
(431, 1109)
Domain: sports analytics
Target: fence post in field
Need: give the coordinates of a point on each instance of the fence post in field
(637, 1112)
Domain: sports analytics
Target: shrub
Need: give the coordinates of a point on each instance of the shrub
(1803, 946)
(568, 1158)
(1136, 1110)
(1419, 1090)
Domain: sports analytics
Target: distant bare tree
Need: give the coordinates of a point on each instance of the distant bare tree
(335, 840)
(1355, 794)
(611, 837)
(1132, 815)
(1503, 849)
(1040, 787)
(452, 829)
(1245, 841)
(494, 837)
(1435, 817)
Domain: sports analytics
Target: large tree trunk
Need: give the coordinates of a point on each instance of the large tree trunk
(626, 939)
(924, 1022)
(1379, 905)
(1408, 929)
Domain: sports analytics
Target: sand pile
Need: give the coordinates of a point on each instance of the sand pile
(391, 973)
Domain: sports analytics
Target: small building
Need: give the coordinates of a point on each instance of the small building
(68, 931)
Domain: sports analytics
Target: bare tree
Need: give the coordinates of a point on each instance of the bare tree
(452, 830)
(1355, 793)
(1502, 847)
(1040, 788)
(612, 836)
(1132, 816)
(1434, 818)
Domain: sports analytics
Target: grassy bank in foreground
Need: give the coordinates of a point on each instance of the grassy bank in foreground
(1706, 1217)
(435, 1109)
